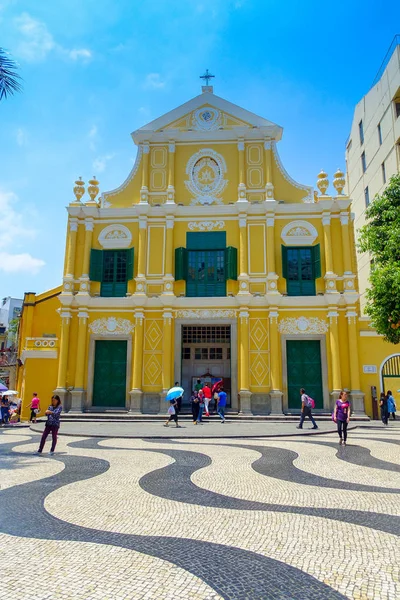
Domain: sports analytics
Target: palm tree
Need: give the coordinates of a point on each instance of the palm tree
(9, 78)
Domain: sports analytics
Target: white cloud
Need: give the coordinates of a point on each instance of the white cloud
(100, 163)
(153, 81)
(82, 53)
(13, 232)
(37, 42)
(21, 137)
(92, 135)
(20, 263)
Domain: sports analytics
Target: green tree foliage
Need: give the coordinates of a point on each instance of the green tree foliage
(10, 81)
(12, 330)
(380, 237)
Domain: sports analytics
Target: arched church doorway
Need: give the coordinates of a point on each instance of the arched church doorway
(390, 375)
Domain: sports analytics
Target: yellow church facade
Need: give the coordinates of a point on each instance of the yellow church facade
(208, 262)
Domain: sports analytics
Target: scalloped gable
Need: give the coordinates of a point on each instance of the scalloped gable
(228, 114)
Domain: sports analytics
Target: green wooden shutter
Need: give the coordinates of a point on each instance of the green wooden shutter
(181, 264)
(96, 265)
(231, 263)
(317, 261)
(284, 262)
(129, 263)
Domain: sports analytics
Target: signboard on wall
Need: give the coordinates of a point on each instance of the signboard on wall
(370, 369)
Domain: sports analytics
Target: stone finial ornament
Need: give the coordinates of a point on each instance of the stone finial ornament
(93, 188)
(322, 182)
(79, 189)
(315, 196)
(339, 182)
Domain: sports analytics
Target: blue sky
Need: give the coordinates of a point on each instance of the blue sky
(96, 70)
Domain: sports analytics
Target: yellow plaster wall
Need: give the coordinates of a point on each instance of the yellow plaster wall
(155, 250)
(257, 249)
(259, 351)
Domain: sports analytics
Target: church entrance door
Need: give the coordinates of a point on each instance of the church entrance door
(109, 381)
(206, 354)
(304, 371)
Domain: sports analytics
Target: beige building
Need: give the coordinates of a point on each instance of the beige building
(373, 147)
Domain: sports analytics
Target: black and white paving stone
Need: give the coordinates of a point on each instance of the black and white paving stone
(121, 519)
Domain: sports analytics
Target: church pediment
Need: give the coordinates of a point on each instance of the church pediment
(207, 113)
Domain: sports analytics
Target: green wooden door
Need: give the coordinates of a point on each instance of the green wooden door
(206, 273)
(304, 371)
(109, 382)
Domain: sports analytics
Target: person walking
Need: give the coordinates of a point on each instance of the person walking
(391, 405)
(52, 425)
(5, 410)
(221, 403)
(341, 416)
(383, 403)
(173, 414)
(306, 407)
(35, 408)
(178, 404)
(201, 407)
(195, 406)
(207, 398)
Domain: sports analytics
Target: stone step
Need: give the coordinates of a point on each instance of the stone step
(123, 416)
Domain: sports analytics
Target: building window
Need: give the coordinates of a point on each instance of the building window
(301, 267)
(380, 134)
(366, 196)
(205, 265)
(397, 108)
(363, 162)
(206, 334)
(113, 269)
(201, 354)
(361, 131)
(185, 353)
(383, 172)
(215, 353)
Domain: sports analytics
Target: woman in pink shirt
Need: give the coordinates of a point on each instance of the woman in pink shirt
(35, 408)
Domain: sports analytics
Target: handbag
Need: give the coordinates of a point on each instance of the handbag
(36, 410)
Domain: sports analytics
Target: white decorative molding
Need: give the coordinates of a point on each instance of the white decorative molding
(73, 224)
(169, 220)
(38, 354)
(111, 326)
(115, 236)
(205, 314)
(344, 218)
(206, 170)
(104, 203)
(171, 147)
(302, 325)
(142, 222)
(270, 221)
(146, 148)
(299, 233)
(89, 224)
(206, 225)
(326, 219)
(44, 342)
(206, 119)
(267, 145)
(241, 146)
(310, 195)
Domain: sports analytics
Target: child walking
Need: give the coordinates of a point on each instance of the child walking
(173, 414)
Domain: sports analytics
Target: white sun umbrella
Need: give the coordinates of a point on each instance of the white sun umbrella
(10, 393)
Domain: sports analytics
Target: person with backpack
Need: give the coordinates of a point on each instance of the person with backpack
(383, 403)
(307, 404)
(341, 416)
(391, 405)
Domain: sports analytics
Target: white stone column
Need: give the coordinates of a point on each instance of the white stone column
(272, 277)
(171, 173)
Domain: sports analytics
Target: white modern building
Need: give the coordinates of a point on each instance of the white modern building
(373, 146)
(10, 308)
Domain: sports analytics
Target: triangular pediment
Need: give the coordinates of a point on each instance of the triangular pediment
(207, 113)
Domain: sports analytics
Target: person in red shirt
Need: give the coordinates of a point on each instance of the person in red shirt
(207, 398)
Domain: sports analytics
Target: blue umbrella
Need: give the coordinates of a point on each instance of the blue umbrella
(3, 388)
(175, 392)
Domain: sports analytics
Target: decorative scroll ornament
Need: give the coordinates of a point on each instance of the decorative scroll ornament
(206, 119)
(301, 325)
(206, 225)
(115, 236)
(111, 326)
(206, 170)
(205, 314)
(299, 233)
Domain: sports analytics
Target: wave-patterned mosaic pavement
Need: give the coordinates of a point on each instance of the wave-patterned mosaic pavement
(119, 519)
